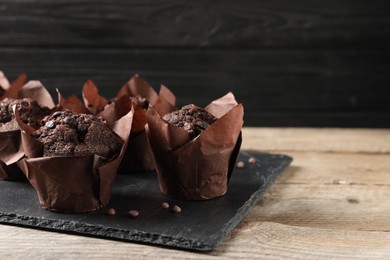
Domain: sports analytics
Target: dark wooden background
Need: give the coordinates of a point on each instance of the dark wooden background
(292, 63)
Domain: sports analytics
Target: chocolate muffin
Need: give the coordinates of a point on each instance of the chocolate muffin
(29, 111)
(195, 168)
(191, 118)
(73, 134)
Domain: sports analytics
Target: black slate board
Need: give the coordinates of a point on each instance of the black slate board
(201, 226)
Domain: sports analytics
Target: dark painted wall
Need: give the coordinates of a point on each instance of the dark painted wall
(292, 63)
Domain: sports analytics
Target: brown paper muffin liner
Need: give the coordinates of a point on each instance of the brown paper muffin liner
(74, 183)
(11, 150)
(4, 84)
(138, 156)
(71, 103)
(92, 100)
(12, 90)
(11, 172)
(197, 169)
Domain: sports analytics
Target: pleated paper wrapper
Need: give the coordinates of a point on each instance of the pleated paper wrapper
(75, 183)
(199, 168)
(138, 156)
(11, 149)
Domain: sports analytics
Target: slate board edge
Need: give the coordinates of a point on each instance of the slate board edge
(73, 227)
(255, 197)
(136, 236)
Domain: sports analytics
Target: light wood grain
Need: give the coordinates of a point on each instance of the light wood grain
(321, 169)
(332, 203)
(260, 240)
(337, 207)
(321, 140)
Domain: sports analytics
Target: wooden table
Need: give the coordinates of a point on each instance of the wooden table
(333, 202)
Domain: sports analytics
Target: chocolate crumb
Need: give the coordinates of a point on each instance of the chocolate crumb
(133, 213)
(70, 121)
(165, 205)
(30, 112)
(252, 160)
(111, 212)
(73, 134)
(191, 118)
(240, 164)
(176, 209)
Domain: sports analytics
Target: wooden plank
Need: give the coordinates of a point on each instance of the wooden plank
(276, 241)
(330, 190)
(338, 206)
(253, 240)
(331, 203)
(338, 179)
(340, 169)
(317, 140)
(227, 24)
(277, 87)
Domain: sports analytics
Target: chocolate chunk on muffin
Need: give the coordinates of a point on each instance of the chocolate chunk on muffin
(72, 134)
(140, 101)
(191, 118)
(30, 111)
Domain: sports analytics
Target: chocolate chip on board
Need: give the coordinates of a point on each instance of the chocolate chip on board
(133, 213)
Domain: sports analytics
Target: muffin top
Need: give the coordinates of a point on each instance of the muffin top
(29, 111)
(191, 118)
(74, 134)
